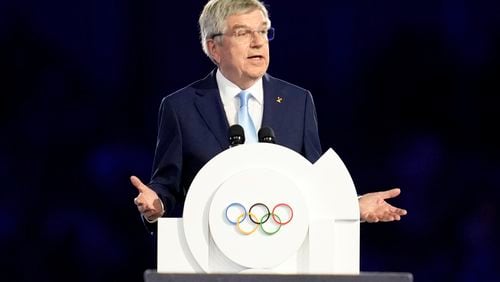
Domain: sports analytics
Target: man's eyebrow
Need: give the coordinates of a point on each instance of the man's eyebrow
(240, 26)
(264, 24)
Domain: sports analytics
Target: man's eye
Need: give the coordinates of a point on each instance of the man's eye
(242, 32)
(263, 32)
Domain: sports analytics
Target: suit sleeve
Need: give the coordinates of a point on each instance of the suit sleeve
(167, 164)
(312, 145)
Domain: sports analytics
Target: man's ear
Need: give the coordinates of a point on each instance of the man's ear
(213, 49)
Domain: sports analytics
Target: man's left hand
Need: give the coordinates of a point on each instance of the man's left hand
(374, 208)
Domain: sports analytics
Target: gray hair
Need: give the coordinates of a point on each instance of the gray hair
(213, 17)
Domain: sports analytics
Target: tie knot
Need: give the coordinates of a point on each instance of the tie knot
(244, 96)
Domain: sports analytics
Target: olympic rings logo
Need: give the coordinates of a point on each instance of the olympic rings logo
(276, 219)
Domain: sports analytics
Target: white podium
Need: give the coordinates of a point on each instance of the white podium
(263, 208)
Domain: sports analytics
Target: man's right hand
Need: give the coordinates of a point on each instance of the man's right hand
(148, 203)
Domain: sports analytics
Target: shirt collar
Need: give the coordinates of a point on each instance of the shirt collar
(228, 89)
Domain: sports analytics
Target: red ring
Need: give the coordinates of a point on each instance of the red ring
(274, 216)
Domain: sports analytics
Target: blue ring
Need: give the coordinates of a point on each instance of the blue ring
(240, 205)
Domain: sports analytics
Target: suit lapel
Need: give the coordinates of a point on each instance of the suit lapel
(209, 105)
(275, 113)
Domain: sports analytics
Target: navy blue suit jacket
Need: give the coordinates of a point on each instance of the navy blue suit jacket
(193, 128)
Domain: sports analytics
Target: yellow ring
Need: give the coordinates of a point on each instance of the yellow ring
(243, 231)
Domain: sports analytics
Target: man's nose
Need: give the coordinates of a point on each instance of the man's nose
(257, 39)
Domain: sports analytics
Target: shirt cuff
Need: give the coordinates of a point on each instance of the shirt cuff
(156, 219)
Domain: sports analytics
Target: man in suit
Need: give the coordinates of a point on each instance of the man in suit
(193, 121)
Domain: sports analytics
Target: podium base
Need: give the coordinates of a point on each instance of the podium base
(151, 275)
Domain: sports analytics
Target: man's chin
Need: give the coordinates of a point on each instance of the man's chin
(256, 74)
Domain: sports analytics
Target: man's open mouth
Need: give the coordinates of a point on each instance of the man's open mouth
(255, 57)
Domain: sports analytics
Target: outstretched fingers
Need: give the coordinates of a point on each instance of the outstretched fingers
(138, 184)
(392, 193)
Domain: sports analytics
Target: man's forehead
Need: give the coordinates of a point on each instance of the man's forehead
(249, 19)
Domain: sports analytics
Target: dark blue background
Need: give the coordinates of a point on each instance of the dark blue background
(406, 92)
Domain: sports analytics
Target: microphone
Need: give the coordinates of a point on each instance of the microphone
(266, 135)
(236, 135)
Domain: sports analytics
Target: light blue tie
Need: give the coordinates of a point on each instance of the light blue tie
(244, 118)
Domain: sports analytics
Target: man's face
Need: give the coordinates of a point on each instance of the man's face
(242, 59)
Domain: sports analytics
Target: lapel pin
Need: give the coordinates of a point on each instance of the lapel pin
(279, 99)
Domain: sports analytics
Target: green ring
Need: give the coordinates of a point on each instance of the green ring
(262, 225)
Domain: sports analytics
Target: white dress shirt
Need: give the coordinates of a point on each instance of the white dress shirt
(229, 92)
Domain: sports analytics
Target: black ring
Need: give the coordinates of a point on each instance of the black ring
(268, 214)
